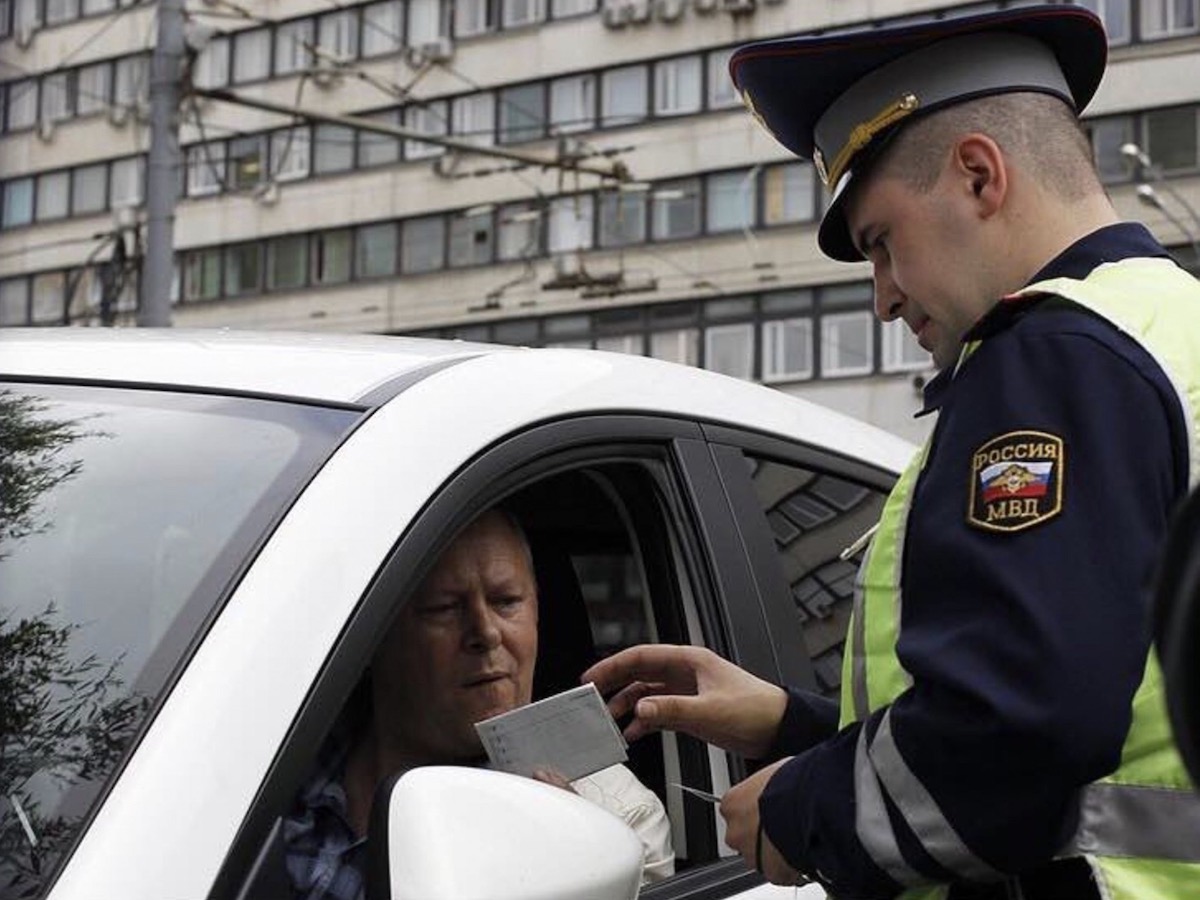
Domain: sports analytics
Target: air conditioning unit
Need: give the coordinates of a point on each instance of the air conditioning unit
(738, 7)
(24, 34)
(616, 14)
(567, 266)
(439, 50)
(705, 7)
(45, 130)
(639, 11)
(668, 10)
(118, 115)
(325, 75)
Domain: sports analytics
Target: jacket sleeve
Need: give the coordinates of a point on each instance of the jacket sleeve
(1024, 647)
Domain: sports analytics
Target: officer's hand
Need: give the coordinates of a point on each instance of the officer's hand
(739, 807)
(691, 689)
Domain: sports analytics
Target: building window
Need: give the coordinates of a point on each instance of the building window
(522, 113)
(1107, 136)
(61, 11)
(375, 250)
(22, 104)
(92, 7)
(251, 55)
(570, 224)
(787, 350)
(474, 117)
(206, 169)
(471, 238)
(292, 42)
(48, 296)
(729, 349)
(425, 21)
(331, 256)
(1166, 18)
(519, 231)
(675, 210)
(427, 119)
(211, 68)
(14, 301)
(127, 182)
(246, 162)
(243, 269)
(789, 193)
(53, 195)
(900, 350)
(423, 244)
(378, 149)
(287, 262)
(18, 202)
(131, 82)
(337, 34)
(721, 92)
(1171, 138)
(572, 104)
(290, 150)
(91, 89)
(847, 344)
(622, 218)
(679, 345)
(677, 86)
(522, 12)
(568, 331)
(561, 9)
(471, 17)
(382, 28)
(56, 97)
(27, 15)
(729, 201)
(333, 150)
(89, 189)
(202, 275)
(623, 99)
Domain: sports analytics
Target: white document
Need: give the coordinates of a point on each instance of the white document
(571, 733)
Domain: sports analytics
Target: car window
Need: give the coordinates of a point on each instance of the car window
(125, 515)
(816, 520)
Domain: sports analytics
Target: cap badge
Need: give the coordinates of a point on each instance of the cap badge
(862, 134)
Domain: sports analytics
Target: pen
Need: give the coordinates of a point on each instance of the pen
(696, 792)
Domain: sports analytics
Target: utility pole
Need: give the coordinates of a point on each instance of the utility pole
(162, 176)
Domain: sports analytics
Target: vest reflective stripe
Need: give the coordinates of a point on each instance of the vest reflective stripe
(919, 808)
(1137, 820)
(871, 822)
(1139, 828)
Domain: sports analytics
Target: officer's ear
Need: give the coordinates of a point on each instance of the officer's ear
(980, 172)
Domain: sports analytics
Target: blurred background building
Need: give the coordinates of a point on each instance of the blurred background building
(605, 188)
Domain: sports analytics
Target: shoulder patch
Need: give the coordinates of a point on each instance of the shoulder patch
(1016, 481)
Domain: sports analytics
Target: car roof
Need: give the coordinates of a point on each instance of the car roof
(369, 370)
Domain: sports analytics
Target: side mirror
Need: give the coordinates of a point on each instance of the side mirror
(450, 833)
(1177, 629)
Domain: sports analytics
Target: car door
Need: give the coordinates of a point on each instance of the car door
(633, 540)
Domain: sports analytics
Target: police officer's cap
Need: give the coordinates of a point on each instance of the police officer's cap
(837, 98)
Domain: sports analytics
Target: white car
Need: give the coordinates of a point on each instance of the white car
(203, 535)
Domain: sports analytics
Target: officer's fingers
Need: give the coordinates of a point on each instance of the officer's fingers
(673, 712)
(623, 702)
(670, 664)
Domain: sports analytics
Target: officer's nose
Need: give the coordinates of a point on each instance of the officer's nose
(888, 298)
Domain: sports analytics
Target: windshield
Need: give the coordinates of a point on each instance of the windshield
(125, 517)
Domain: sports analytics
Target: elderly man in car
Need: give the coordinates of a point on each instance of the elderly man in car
(461, 650)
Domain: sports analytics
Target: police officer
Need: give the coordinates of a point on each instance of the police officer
(1001, 730)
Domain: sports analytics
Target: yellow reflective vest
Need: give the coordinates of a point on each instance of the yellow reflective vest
(1139, 828)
